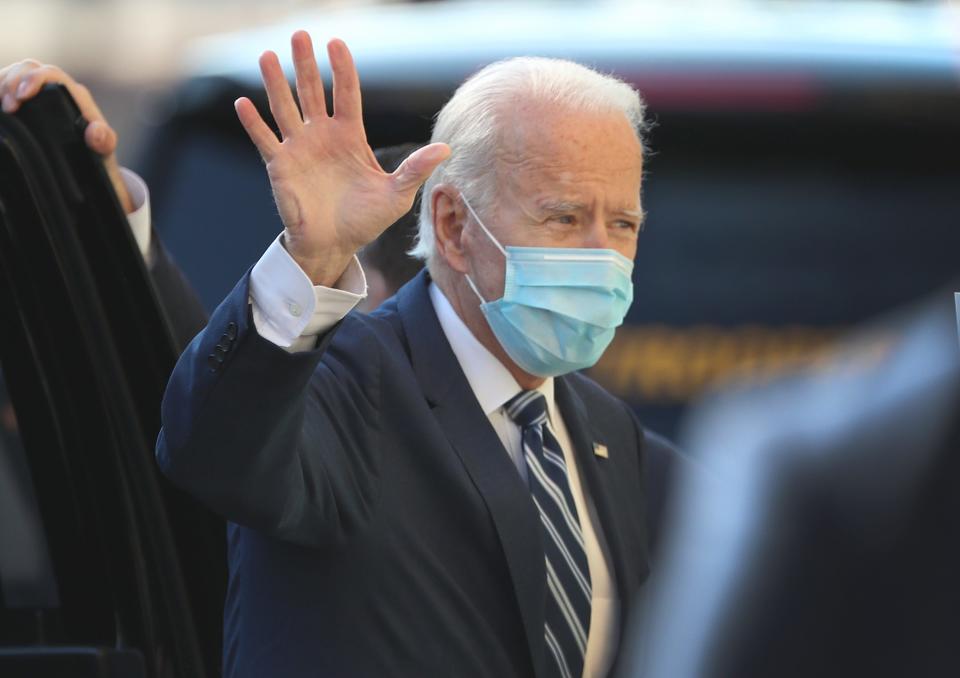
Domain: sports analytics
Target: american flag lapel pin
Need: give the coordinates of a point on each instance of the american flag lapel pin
(601, 451)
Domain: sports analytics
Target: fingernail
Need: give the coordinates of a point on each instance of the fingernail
(22, 89)
(7, 103)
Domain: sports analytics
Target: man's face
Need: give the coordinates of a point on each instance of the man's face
(563, 180)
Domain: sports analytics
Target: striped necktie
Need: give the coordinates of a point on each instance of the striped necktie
(567, 615)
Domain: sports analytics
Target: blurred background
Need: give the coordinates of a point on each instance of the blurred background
(801, 175)
(802, 170)
(129, 52)
(802, 179)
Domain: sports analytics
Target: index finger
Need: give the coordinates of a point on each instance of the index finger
(10, 75)
(258, 131)
(12, 78)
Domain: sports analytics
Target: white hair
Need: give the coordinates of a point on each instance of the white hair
(470, 123)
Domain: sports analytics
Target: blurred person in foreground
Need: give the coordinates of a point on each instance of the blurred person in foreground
(431, 489)
(828, 541)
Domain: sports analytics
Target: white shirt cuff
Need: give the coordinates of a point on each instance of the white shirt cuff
(139, 218)
(288, 309)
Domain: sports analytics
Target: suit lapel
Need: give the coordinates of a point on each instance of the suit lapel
(481, 452)
(582, 437)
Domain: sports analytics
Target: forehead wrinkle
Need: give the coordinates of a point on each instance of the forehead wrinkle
(553, 204)
(558, 158)
(542, 167)
(567, 198)
(524, 148)
(553, 167)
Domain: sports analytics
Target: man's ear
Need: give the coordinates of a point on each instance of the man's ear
(448, 220)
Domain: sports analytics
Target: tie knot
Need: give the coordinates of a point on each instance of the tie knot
(527, 408)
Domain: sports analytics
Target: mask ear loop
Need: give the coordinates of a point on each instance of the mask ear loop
(489, 234)
(492, 239)
(474, 288)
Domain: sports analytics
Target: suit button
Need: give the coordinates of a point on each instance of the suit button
(231, 332)
(214, 362)
(219, 352)
(225, 340)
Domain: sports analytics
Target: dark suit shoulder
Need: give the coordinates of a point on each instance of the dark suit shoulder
(660, 460)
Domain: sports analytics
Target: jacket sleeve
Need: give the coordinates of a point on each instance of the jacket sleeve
(285, 443)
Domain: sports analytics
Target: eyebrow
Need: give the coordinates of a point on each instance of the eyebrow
(560, 206)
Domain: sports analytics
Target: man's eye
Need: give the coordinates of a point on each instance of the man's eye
(563, 218)
(626, 225)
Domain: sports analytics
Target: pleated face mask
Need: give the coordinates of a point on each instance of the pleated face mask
(560, 305)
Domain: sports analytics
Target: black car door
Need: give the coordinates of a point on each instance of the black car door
(105, 569)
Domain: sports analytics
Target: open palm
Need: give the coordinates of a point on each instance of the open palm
(331, 192)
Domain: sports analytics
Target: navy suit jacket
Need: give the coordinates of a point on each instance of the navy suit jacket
(378, 527)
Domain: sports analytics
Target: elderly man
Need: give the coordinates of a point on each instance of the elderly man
(430, 490)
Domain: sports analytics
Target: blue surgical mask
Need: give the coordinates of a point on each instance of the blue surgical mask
(560, 305)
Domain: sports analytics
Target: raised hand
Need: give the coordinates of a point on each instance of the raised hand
(331, 192)
(22, 81)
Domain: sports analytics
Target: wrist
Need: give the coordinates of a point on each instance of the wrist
(323, 271)
(120, 188)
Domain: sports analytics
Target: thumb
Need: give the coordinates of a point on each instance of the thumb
(100, 138)
(418, 166)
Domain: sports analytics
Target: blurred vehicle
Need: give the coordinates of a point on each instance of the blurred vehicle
(802, 170)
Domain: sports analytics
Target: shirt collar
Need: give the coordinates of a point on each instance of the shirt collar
(490, 381)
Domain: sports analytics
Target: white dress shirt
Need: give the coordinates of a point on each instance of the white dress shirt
(494, 386)
(288, 309)
(291, 312)
(139, 219)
